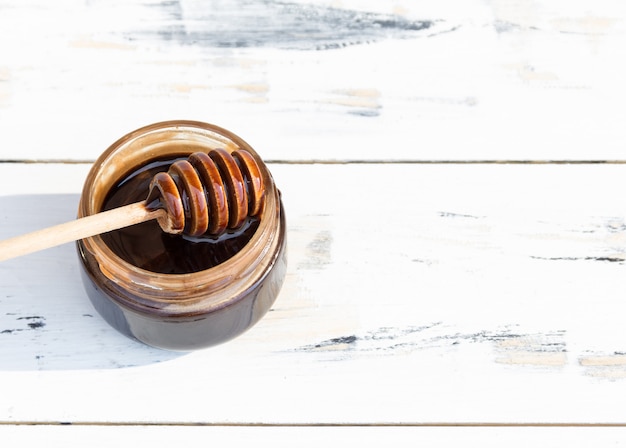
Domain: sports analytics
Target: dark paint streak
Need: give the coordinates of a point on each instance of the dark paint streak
(364, 113)
(619, 260)
(246, 23)
(422, 261)
(550, 342)
(34, 325)
(37, 324)
(457, 215)
(505, 27)
(387, 340)
(370, 341)
(338, 341)
(615, 227)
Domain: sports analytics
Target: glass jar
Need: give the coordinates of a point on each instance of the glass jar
(181, 311)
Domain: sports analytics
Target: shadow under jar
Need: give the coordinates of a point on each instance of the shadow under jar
(171, 291)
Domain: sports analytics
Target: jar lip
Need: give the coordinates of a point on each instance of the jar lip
(187, 290)
(176, 124)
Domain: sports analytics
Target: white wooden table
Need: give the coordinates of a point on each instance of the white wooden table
(453, 174)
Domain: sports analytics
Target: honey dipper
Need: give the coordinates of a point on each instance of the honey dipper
(203, 194)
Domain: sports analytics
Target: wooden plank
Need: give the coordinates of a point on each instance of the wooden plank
(105, 436)
(402, 80)
(416, 294)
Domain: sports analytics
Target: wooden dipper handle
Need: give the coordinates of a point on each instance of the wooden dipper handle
(204, 194)
(78, 229)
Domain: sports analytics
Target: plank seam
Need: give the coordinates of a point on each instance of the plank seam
(323, 425)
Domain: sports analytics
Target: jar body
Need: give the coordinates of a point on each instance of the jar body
(180, 311)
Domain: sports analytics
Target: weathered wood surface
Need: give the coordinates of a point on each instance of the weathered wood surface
(420, 293)
(416, 294)
(162, 436)
(319, 79)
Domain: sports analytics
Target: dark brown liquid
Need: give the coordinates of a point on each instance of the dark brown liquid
(147, 246)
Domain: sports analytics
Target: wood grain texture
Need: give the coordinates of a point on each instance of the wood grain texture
(320, 80)
(416, 294)
(421, 293)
